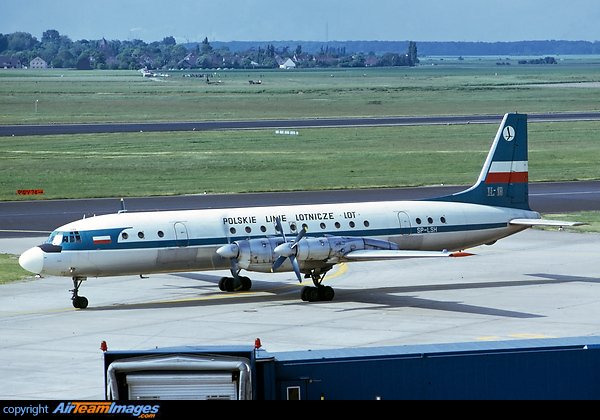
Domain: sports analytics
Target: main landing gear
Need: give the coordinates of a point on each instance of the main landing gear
(79, 302)
(318, 292)
(235, 284)
(315, 293)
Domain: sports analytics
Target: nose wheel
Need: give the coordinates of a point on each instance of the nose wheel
(79, 302)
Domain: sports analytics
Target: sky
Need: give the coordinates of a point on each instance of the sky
(307, 20)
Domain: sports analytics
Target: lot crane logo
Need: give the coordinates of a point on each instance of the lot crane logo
(508, 133)
(141, 411)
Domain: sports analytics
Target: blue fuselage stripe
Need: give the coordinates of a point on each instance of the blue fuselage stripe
(87, 243)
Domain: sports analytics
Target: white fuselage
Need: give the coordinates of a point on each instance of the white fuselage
(172, 241)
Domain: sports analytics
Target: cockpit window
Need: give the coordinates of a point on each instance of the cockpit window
(74, 237)
(59, 238)
(55, 238)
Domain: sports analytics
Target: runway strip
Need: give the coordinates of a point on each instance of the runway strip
(54, 129)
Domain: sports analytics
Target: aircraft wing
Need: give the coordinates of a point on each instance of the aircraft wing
(544, 222)
(391, 254)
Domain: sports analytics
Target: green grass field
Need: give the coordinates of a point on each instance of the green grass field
(142, 164)
(448, 87)
(10, 270)
(135, 164)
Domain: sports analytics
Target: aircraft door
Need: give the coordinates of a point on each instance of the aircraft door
(404, 221)
(181, 235)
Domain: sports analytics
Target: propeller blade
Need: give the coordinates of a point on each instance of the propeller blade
(300, 236)
(296, 268)
(278, 223)
(234, 268)
(277, 264)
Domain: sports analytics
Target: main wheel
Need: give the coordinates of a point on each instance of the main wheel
(309, 294)
(246, 284)
(80, 302)
(315, 294)
(227, 284)
(326, 293)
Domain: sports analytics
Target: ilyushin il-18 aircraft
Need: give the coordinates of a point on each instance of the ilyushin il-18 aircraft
(307, 240)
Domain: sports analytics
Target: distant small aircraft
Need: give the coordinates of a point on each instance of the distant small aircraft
(307, 239)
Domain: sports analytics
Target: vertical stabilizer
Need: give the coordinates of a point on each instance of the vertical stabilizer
(503, 180)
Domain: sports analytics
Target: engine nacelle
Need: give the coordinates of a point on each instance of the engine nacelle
(334, 248)
(258, 254)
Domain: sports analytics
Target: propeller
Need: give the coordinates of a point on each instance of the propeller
(288, 250)
(231, 251)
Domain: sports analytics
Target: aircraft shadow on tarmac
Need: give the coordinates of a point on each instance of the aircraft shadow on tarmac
(388, 297)
(382, 298)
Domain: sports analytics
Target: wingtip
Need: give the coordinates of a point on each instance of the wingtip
(461, 254)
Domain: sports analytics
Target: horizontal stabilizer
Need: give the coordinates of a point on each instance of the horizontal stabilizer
(544, 222)
(390, 254)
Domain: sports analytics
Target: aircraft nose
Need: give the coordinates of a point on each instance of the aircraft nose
(32, 260)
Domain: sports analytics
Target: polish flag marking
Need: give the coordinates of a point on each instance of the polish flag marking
(101, 239)
(508, 172)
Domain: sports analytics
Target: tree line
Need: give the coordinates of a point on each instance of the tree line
(59, 51)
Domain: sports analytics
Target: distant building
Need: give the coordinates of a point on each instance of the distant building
(38, 63)
(188, 61)
(288, 64)
(7, 62)
(105, 47)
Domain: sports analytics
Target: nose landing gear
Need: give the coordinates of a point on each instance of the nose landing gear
(79, 302)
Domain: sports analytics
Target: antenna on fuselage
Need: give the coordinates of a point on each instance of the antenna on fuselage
(123, 210)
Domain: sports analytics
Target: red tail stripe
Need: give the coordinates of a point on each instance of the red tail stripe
(507, 177)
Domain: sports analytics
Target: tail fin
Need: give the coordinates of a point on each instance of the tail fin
(503, 181)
